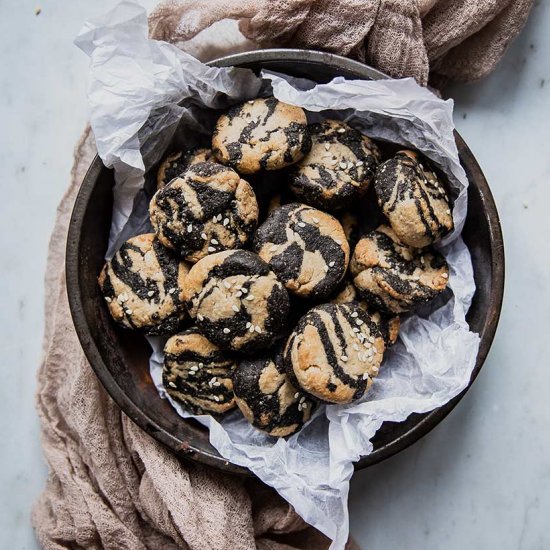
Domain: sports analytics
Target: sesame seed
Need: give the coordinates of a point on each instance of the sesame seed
(108, 300)
(258, 329)
(337, 241)
(302, 399)
(304, 406)
(359, 163)
(296, 395)
(326, 268)
(343, 165)
(331, 264)
(214, 241)
(301, 224)
(344, 358)
(129, 312)
(250, 297)
(371, 339)
(172, 290)
(355, 347)
(248, 324)
(219, 217)
(190, 228)
(204, 236)
(355, 329)
(250, 101)
(123, 297)
(191, 373)
(200, 317)
(201, 365)
(151, 293)
(327, 146)
(358, 322)
(226, 284)
(445, 275)
(235, 308)
(341, 130)
(226, 331)
(365, 376)
(448, 211)
(375, 369)
(238, 294)
(172, 385)
(360, 337)
(214, 219)
(216, 398)
(350, 165)
(299, 407)
(216, 384)
(211, 249)
(243, 290)
(251, 328)
(355, 314)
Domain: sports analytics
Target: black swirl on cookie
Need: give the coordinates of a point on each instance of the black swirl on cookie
(267, 397)
(261, 134)
(334, 352)
(413, 198)
(393, 277)
(305, 247)
(338, 168)
(176, 164)
(207, 210)
(237, 300)
(198, 374)
(143, 284)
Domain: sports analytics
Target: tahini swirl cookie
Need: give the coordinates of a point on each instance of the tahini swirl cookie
(338, 169)
(334, 352)
(393, 277)
(413, 199)
(143, 286)
(209, 209)
(236, 300)
(261, 134)
(198, 374)
(267, 398)
(305, 247)
(176, 164)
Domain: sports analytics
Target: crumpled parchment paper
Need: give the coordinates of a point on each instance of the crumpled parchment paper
(143, 94)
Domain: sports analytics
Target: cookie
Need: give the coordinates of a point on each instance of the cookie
(387, 323)
(236, 300)
(338, 168)
(334, 352)
(261, 134)
(305, 247)
(267, 397)
(413, 199)
(198, 374)
(209, 209)
(176, 164)
(143, 286)
(393, 277)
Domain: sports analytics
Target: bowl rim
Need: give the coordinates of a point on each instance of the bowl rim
(429, 421)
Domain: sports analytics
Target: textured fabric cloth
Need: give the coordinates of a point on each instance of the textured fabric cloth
(110, 484)
(457, 39)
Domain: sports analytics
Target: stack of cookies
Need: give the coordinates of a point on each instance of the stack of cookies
(273, 294)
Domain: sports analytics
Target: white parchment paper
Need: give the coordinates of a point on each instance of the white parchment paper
(142, 94)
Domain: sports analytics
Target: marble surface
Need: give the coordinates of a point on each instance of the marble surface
(481, 479)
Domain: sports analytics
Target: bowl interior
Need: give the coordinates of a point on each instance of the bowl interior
(120, 358)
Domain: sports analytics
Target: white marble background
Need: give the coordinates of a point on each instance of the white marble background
(481, 479)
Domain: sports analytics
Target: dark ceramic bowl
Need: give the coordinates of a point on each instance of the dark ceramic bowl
(120, 358)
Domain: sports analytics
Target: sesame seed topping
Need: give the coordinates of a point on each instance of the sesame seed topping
(190, 228)
(358, 322)
(250, 101)
(226, 284)
(331, 264)
(219, 217)
(108, 300)
(226, 331)
(200, 317)
(355, 329)
(344, 358)
(250, 297)
(315, 220)
(296, 395)
(251, 328)
(327, 146)
(301, 224)
(448, 211)
(299, 407)
(375, 369)
(214, 241)
(226, 221)
(337, 241)
(238, 294)
(304, 406)
(151, 293)
(350, 165)
(355, 314)
(204, 236)
(365, 376)
(326, 268)
(258, 329)
(172, 385)
(359, 163)
(211, 249)
(129, 312)
(216, 384)
(201, 365)
(343, 165)
(243, 290)
(445, 275)
(302, 399)
(248, 324)
(216, 398)
(214, 219)
(341, 130)
(235, 308)
(355, 347)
